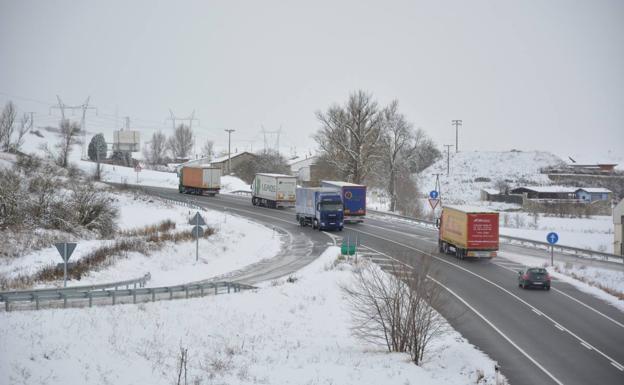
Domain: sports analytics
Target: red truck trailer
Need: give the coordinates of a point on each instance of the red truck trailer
(468, 232)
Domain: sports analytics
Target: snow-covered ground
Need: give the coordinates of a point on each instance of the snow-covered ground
(236, 243)
(594, 233)
(472, 171)
(285, 333)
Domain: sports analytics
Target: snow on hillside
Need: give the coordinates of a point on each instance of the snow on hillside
(285, 333)
(462, 185)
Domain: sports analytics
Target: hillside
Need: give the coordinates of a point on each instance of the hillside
(470, 172)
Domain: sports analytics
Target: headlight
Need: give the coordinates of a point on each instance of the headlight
(340, 223)
(322, 223)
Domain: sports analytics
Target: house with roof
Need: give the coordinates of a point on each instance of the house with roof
(593, 194)
(546, 192)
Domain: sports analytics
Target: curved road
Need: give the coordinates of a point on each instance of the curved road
(563, 336)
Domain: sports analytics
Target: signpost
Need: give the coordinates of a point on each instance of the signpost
(434, 199)
(198, 231)
(552, 238)
(137, 169)
(65, 249)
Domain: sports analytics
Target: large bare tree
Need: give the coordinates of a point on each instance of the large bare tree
(156, 150)
(25, 125)
(349, 136)
(69, 132)
(208, 149)
(181, 143)
(7, 125)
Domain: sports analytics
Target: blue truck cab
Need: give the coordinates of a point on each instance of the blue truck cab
(320, 208)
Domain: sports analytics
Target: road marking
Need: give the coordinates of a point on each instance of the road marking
(491, 283)
(618, 366)
(500, 332)
(559, 327)
(536, 311)
(587, 346)
(576, 300)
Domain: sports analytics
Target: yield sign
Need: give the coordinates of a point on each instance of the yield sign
(433, 202)
(65, 249)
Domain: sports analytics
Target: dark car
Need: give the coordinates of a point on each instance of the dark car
(534, 277)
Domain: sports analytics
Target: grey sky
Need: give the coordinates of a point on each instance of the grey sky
(530, 74)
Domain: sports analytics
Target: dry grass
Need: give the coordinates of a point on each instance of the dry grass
(143, 240)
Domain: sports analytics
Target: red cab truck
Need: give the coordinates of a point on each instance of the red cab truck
(468, 232)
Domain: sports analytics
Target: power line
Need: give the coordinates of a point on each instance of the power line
(84, 107)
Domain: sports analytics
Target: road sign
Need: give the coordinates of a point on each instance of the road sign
(433, 194)
(137, 168)
(433, 203)
(197, 220)
(65, 249)
(198, 231)
(552, 238)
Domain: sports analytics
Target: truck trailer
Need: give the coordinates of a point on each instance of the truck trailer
(353, 199)
(273, 190)
(468, 232)
(320, 208)
(200, 180)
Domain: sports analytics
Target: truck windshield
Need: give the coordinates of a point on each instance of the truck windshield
(331, 206)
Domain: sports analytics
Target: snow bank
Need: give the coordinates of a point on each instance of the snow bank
(287, 333)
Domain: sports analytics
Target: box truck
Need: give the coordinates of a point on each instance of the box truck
(320, 208)
(273, 190)
(468, 232)
(199, 180)
(353, 199)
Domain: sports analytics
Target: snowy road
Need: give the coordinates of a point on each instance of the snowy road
(562, 336)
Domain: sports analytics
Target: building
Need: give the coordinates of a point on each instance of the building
(302, 168)
(618, 222)
(593, 194)
(547, 192)
(236, 159)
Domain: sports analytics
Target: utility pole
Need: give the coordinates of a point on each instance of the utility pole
(84, 107)
(277, 133)
(437, 185)
(230, 131)
(174, 118)
(448, 157)
(457, 124)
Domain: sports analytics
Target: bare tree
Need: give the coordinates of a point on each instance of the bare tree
(181, 143)
(157, 149)
(69, 132)
(208, 149)
(7, 125)
(26, 124)
(349, 136)
(396, 310)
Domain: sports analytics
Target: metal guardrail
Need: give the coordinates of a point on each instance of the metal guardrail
(578, 252)
(151, 293)
(8, 295)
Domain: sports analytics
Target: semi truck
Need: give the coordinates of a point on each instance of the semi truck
(273, 190)
(468, 232)
(200, 180)
(320, 208)
(353, 199)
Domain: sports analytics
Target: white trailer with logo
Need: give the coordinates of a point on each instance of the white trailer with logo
(273, 190)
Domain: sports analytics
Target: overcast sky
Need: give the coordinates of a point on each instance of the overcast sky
(526, 74)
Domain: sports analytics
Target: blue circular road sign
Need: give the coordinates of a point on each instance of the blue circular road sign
(433, 194)
(552, 238)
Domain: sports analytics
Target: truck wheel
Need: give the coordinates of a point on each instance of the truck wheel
(302, 222)
(314, 224)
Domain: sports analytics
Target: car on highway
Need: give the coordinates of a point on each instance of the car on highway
(534, 277)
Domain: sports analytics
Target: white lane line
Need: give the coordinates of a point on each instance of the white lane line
(536, 311)
(577, 301)
(559, 327)
(483, 318)
(618, 366)
(491, 283)
(587, 346)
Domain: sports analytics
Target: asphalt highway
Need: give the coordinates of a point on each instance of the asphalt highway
(561, 336)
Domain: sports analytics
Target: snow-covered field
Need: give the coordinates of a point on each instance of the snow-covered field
(236, 243)
(285, 333)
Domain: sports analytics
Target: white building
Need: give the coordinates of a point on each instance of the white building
(618, 220)
(300, 167)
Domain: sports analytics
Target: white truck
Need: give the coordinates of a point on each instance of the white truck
(273, 190)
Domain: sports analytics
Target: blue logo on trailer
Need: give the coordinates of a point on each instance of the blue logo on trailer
(433, 194)
(552, 238)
